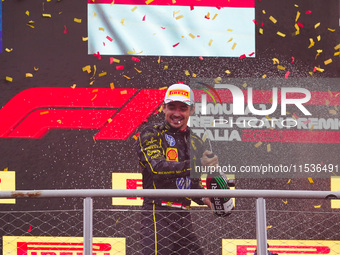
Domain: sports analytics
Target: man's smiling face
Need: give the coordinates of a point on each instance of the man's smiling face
(177, 114)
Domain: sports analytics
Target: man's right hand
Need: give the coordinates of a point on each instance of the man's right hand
(207, 160)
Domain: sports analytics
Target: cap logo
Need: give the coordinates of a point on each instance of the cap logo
(179, 92)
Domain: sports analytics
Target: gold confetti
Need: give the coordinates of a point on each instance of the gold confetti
(230, 39)
(9, 50)
(281, 34)
(10, 79)
(285, 202)
(113, 1)
(160, 108)
(297, 27)
(191, 35)
(263, 11)
(123, 92)
(268, 148)
(187, 73)
(29, 75)
(268, 227)
(159, 60)
(122, 21)
(27, 13)
(73, 86)
(264, 76)
(127, 77)
(77, 20)
(332, 30)
(45, 15)
(30, 25)
(87, 69)
(244, 85)
(91, 83)
(234, 45)
(227, 72)
(208, 15)
(194, 75)
(328, 61)
(45, 112)
(94, 139)
(210, 42)
(333, 112)
(115, 60)
(138, 70)
(316, 25)
(311, 43)
(214, 16)
(289, 181)
(148, 1)
(336, 53)
(85, 39)
(319, 69)
(281, 67)
(112, 86)
(317, 206)
(272, 19)
(102, 74)
(218, 79)
(179, 17)
(166, 66)
(258, 144)
(318, 37)
(163, 88)
(94, 97)
(337, 47)
(275, 61)
(101, 29)
(310, 180)
(230, 30)
(59, 121)
(261, 31)
(134, 8)
(297, 16)
(135, 137)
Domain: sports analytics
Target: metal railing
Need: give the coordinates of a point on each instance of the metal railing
(89, 194)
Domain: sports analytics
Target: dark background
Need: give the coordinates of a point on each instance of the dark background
(70, 159)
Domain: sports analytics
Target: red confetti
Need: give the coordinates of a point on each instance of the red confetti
(206, 17)
(156, 112)
(191, 7)
(287, 74)
(262, 24)
(308, 12)
(162, 27)
(251, 54)
(65, 30)
(119, 67)
(135, 59)
(243, 56)
(97, 55)
(293, 59)
(201, 58)
(104, 43)
(175, 45)
(144, 18)
(180, 82)
(314, 70)
(109, 38)
(299, 24)
(256, 23)
(30, 228)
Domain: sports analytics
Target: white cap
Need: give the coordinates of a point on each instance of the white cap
(179, 92)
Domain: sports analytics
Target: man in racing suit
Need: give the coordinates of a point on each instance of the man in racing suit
(167, 152)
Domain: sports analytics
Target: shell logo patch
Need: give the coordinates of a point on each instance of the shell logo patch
(171, 154)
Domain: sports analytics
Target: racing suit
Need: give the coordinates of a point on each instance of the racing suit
(164, 154)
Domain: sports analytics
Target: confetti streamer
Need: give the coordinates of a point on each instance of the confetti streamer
(87, 68)
(30, 25)
(275, 61)
(299, 24)
(119, 67)
(258, 144)
(29, 229)
(65, 29)
(134, 8)
(148, 1)
(138, 70)
(255, 22)
(102, 74)
(179, 17)
(285, 202)
(192, 36)
(234, 45)
(337, 47)
(97, 55)
(9, 50)
(289, 181)
(73, 86)
(317, 206)
(281, 34)
(316, 25)
(94, 97)
(293, 59)
(272, 19)
(319, 37)
(101, 29)
(311, 43)
(308, 12)
(109, 38)
(207, 16)
(127, 77)
(297, 16)
(123, 92)
(230, 39)
(281, 67)
(175, 45)
(287, 74)
(332, 30)
(10, 79)
(210, 42)
(166, 66)
(143, 18)
(135, 59)
(122, 21)
(214, 16)
(45, 112)
(328, 61)
(200, 57)
(77, 20)
(29, 75)
(85, 39)
(45, 15)
(112, 86)
(243, 56)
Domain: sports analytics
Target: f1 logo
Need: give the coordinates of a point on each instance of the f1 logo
(116, 112)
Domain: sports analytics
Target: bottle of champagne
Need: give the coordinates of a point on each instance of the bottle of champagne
(222, 206)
